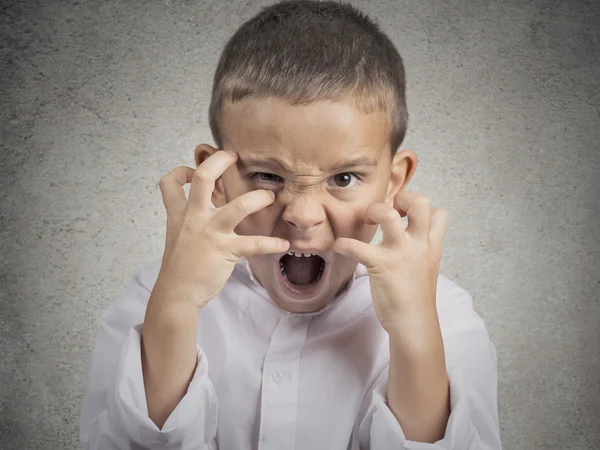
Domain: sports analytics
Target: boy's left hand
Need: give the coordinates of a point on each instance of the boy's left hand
(404, 268)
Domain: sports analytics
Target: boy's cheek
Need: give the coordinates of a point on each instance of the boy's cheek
(351, 223)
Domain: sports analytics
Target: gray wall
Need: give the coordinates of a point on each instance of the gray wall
(102, 98)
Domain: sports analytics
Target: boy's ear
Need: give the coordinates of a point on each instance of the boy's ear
(202, 152)
(404, 165)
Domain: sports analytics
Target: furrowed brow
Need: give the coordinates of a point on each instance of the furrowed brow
(273, 164)
(354, 164)
(268, 163)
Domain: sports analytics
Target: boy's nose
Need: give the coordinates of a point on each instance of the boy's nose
(304, 214)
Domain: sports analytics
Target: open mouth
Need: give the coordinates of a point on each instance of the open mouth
(301, 269)
(301, 273)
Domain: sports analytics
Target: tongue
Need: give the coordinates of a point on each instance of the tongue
(301, 270)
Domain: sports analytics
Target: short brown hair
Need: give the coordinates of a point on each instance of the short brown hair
(304, 51)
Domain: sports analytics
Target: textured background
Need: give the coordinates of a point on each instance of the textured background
(102, 98)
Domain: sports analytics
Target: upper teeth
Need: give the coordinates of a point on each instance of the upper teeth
(300, 254)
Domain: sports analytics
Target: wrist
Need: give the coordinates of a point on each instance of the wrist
(413, 318)
(171, 308)
(415, 333)
(170, 290)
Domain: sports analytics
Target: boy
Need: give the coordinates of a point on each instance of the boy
(270, 322)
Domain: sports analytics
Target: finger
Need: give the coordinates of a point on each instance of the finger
(389, 220)
(259, 245)
(205, 176)
(235, 211)
(418, 210)
(363, 252)
(439, 225)
(171, 188)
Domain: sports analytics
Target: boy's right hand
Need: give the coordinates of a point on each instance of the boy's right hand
(201, 247)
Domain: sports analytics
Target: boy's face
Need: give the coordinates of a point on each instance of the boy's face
(326, 162)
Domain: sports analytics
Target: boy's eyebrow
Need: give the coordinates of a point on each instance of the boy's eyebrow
(362, 161)
(264, 162)
(273, 163)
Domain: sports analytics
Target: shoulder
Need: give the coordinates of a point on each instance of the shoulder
(238, 283)
(455, 307)
(449, 291)
(130, 305)
(146, 274)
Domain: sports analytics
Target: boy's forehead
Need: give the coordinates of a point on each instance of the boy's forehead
(329, 133)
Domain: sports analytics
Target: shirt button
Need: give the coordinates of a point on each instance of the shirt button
(278, 377)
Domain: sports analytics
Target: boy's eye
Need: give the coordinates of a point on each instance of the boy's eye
(268, 177)
(343, 179)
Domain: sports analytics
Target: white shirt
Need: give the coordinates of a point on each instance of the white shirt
(273, 380)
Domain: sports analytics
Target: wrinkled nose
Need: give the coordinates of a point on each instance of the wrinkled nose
(304, 213)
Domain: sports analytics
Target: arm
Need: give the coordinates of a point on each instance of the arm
(168, 351)
(418, 388)
(114, 413)
(471, 369)
(404, 282)
(201, 250)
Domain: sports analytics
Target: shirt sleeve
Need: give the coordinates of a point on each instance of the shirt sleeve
(471, 365)
(114, 413)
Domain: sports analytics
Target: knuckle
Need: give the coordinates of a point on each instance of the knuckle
(352, 246)
(239, 206)
(373, 207)
(220, 245)
(162, 183)
(192, 227)
(389, 265)
(201, 177)
(391, 215)
(423, 201)
(257, 244)
(187, 227)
